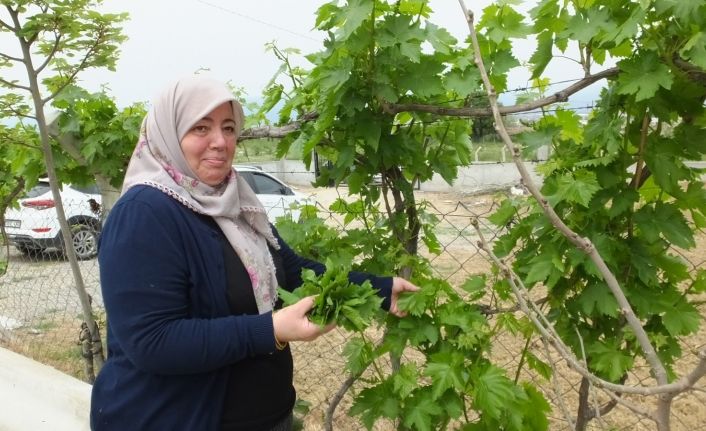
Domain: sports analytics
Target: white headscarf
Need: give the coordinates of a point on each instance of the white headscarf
(159, 162)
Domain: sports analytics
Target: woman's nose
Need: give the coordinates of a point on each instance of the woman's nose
(218, 139)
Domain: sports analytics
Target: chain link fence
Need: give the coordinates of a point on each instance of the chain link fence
(40, 317)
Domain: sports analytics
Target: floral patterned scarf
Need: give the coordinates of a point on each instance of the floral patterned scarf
(159, 162)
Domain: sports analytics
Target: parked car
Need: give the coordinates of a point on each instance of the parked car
(276, 196)
(34, 226)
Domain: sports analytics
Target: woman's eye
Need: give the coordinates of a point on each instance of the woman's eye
(201, 130)
(229, 130)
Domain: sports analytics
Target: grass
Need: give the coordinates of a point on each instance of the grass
(55, 345)
(262, 150)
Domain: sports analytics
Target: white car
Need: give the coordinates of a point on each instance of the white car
(276, 196)
(34, 226)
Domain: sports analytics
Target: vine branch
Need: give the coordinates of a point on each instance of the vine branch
(584, 244)
(546, 329)
(559, 96)
(276, 131)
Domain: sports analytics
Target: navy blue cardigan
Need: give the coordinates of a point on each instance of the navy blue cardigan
(171, 338)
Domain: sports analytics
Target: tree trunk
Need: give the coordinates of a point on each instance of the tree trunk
(97, 353)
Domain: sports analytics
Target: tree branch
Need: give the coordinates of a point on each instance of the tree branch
(50, 56)
(546, 329)
(276, 131)
(583, 244)
(17, 113)
(12, 194)
(555, 385)
(13, 85)
(6, 25)
(76, 69)
(11, 58)
(636, 182)
(337, 397)
(694, 72)
(560, 96)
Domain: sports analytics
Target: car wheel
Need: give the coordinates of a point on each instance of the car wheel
(85, 241)
(29, 251)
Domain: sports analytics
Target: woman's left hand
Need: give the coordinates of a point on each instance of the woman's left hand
(400, 285)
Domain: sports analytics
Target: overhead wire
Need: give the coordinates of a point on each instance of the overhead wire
(257, 20)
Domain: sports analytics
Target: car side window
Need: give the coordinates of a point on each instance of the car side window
(267, 186)
(248, 178)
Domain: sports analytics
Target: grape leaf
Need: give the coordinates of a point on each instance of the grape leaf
(664, 218)
(358, 354)
(374, 402)
(544, 369)
(405, 380)
(579, 187)
(503, 214)
(610, 360)
(419, 410)
(491, 390)
(682, 319)
(597, 296)
(355, 13)
(643, 75)
(446, 372)
(475, 285)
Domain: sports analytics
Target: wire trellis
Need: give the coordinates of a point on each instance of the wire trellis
(40, 317)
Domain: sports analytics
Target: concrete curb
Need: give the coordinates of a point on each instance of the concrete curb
(37, 397)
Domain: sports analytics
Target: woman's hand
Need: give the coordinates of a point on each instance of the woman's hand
(292, 324)
(400, 285)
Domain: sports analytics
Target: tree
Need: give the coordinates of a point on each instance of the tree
(374, 57)
(603, 234)
(54, 41)
(20, 164)
(96, 138)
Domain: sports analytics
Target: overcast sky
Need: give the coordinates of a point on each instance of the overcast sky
(169, 39)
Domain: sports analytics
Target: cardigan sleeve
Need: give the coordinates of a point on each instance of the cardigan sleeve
(146, 284)
(293, 265)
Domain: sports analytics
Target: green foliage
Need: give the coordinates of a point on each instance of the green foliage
(20, 162)
(57, 41)
(374, 56)
(337, 301)
(619, 180)
(454, 376)
(64, 38)
(104, 135)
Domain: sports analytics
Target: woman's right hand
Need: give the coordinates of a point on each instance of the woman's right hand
(292, 324)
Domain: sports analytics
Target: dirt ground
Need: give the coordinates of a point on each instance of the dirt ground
(319, 366)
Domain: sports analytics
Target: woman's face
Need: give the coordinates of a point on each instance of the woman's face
(209, 145)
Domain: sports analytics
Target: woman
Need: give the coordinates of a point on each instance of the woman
(189, 268)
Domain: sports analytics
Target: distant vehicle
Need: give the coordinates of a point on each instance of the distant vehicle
(34, 227)
(276, 196)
